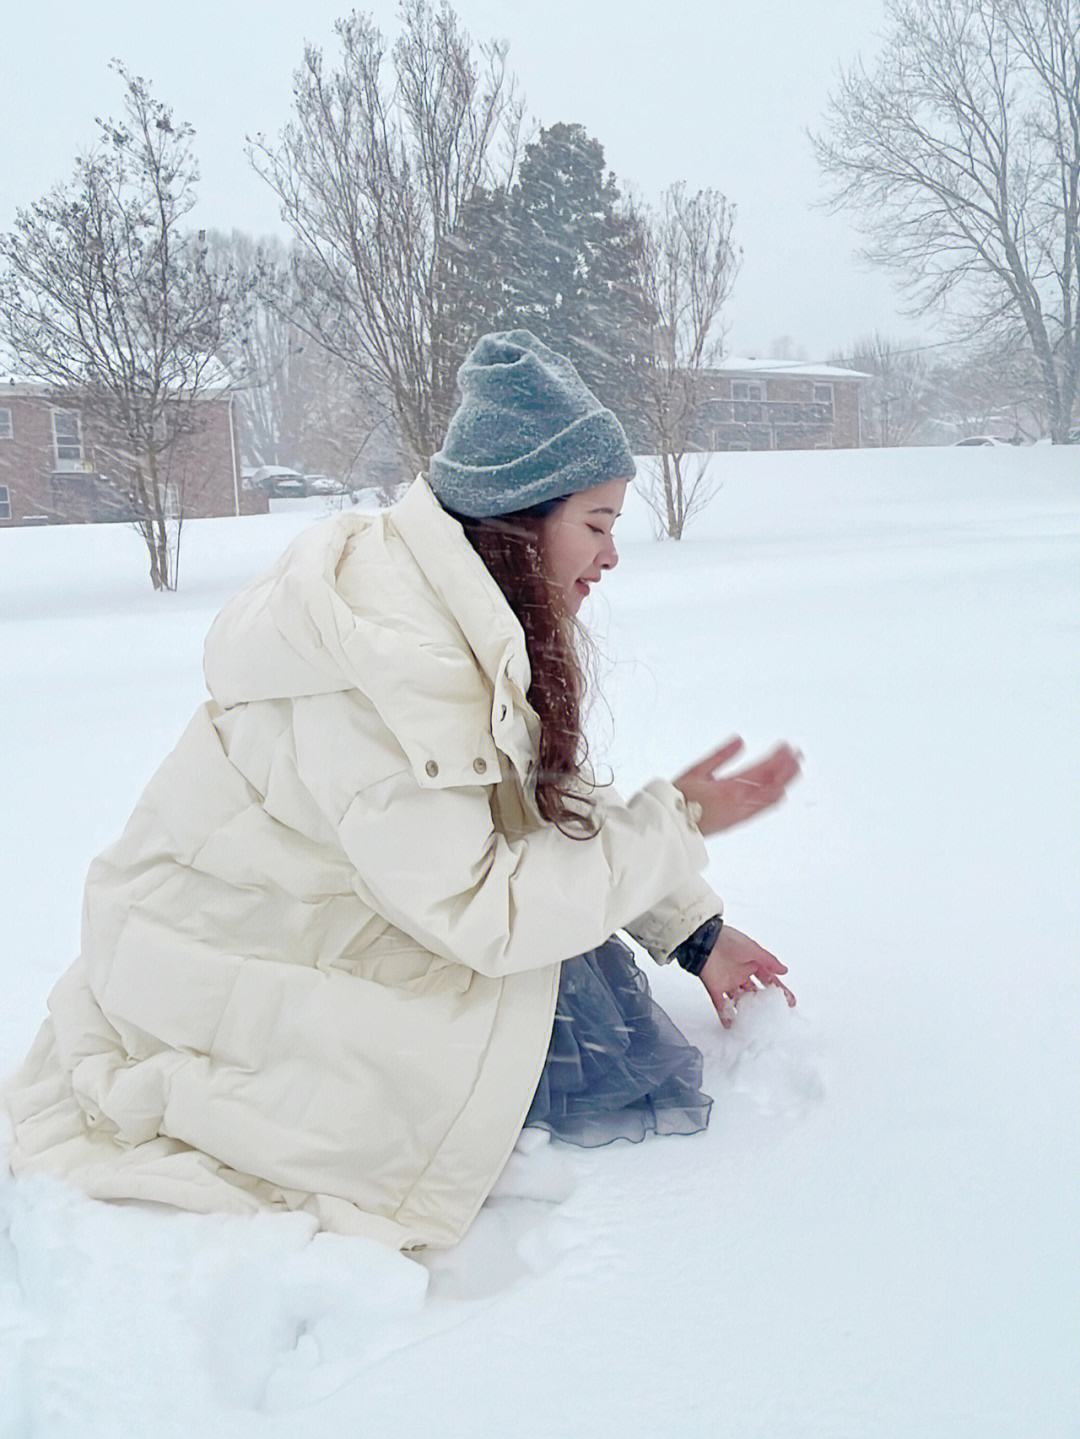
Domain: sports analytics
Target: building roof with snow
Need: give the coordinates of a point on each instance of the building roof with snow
(751, 365)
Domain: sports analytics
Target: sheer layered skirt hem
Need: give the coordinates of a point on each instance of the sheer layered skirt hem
(617, 1067)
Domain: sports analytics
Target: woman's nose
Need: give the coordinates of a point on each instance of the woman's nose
(610, 558)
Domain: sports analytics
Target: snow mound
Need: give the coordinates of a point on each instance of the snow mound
(182, 1314)
(770, 1056)
(188, 1316)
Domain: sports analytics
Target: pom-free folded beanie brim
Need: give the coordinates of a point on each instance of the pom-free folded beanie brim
(589, 452)
(527, 430)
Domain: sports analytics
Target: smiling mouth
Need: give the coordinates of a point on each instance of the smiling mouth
(581, 586)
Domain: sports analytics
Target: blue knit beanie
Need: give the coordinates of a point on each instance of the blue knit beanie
(527, 430)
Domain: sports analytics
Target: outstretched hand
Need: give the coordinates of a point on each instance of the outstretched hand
(739, 966)
(738, 797)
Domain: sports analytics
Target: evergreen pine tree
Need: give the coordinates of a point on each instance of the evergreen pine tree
(473, 271)
(570, 272)
(556, 255)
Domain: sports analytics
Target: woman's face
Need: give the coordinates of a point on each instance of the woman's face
(577, 540)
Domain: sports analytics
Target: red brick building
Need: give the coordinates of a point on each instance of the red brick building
(779, 405)
(55, 465)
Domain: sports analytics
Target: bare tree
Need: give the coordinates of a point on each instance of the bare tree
(105, 296)
(961, 151)
(688, 266)
(262, 353)
(894, 402)
(299, 405)
(372, 180)
(337, 422)
(988, 392)
(784, 347)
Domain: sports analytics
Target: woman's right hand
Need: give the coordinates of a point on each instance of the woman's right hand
(735, 798)
(737, 966)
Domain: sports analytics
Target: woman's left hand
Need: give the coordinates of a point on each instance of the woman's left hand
(739, 966)
(728, 800)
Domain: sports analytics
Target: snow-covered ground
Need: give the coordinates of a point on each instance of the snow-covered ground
(879, 1235)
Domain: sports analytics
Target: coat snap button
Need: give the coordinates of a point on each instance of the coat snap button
(432, 768)
(479, 765)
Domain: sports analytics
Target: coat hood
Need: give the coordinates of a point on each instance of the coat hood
(286, 635)
(399, 606)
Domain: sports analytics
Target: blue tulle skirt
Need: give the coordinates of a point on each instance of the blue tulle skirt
(617, 1067)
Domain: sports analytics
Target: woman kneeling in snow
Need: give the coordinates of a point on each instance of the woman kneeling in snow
(326, 965)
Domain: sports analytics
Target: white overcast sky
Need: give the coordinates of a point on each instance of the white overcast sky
(711, 92)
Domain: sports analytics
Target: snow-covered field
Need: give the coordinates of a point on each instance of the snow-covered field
(879, 1235)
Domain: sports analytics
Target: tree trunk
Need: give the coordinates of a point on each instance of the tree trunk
(155, 528)
(680, 499)
(669, 491)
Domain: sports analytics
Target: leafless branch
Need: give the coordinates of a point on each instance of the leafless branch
(106, 294)
(960, 151)
(688, 265)
(372, 177)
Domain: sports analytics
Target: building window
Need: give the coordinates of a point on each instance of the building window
(67, 439)
(5, 503)
(747, 390)
(823, 395)
(6, 430)
(748, 396)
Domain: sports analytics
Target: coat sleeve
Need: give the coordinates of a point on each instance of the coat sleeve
(431, 861)
(676, 915)
(674, 918)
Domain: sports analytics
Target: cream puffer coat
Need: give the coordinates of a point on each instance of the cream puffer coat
(319, 967)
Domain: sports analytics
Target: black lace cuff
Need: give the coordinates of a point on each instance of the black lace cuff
(696, 948)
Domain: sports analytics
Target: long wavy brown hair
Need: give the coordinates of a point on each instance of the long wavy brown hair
(561, 657)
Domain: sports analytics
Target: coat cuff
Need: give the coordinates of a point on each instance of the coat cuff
(664, 927)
